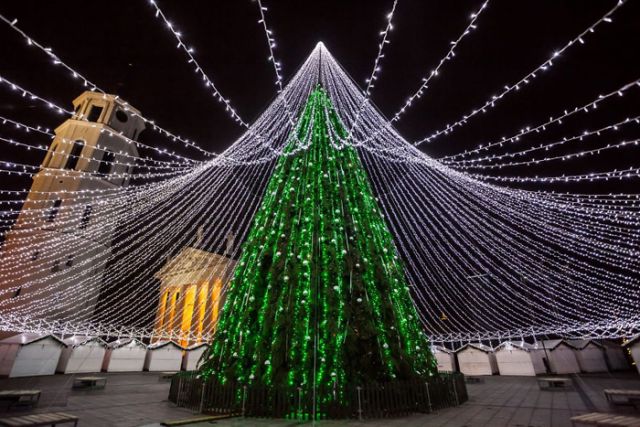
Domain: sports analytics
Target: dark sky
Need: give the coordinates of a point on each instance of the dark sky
(125, 50)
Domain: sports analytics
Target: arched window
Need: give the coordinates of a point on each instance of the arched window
(74, 156)
(94, 113)
(86, 216)
(53, 210)
(106, 163)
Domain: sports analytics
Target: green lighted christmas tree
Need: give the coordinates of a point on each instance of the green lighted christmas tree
(319, 297)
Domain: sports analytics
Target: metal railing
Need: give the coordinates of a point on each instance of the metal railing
(373, 400)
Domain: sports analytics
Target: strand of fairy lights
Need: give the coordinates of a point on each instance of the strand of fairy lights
(178, 207)
(563, 157)
(189, 52)
(575, 178)
(436, 71)
(451, 53)
(586, 108)
(93, 87)
(51, 105)
(277, 66)
(46, 131)
(508, 88)
(546, 146)
(384, 34)
(66, 141)
(271, 43)
(548, 205)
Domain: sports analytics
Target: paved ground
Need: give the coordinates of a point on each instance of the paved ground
(129, 399)
(140, 399)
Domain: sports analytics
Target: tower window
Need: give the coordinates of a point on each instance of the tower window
(72, 160)
(69, 262)
(35, 255)
(94, 113)
(53, 211)
(17, 292)
(105, 164)
(121, 116)
(86, 216)
(55, 267)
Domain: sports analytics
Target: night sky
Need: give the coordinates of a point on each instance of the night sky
(123, 48)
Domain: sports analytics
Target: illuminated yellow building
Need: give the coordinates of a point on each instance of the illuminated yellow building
(191, 295)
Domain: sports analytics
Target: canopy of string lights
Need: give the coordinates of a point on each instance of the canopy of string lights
(490, 251)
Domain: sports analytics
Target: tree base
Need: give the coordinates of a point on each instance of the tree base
(374, 400)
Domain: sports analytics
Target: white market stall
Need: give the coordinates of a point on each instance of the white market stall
(83, 354)
(445, 358)
(560, 356)
(590, 355)
(633, 347)
(518, 358)
(29, 354)
(616, 360)
(124, 356)
(476, 359)
(192, 355)
(163, 356)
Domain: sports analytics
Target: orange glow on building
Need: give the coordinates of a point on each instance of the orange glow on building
(191, 295)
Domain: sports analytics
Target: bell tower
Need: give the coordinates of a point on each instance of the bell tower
(53, 259)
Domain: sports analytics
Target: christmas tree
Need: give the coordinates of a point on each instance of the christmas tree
(319, 297)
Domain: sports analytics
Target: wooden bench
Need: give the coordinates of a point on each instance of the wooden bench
(605, 420)
(628, 396)
(51, 419)
(92, 383)
(20, 397)
(553, 383)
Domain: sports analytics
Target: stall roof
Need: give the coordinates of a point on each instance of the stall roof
(160, 344)
(29, 337)
(196, 346)
(125, 342)
(580, 344)
(522, 345)
(550, 344)
(78, 340)
(477, 346)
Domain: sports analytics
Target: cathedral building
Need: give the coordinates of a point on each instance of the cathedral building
(63, 235)
(191, 293)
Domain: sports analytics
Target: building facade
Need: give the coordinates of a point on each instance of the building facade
(53, 259)
(191, 295)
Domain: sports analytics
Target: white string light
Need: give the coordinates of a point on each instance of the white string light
(498, 261)
(93, 87)
(528, 78)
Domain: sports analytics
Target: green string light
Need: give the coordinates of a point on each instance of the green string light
(319, 296)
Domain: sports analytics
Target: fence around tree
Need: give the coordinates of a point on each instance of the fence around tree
(374, 400)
